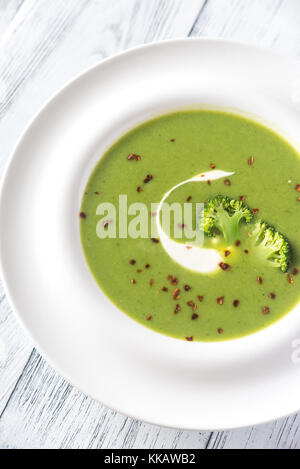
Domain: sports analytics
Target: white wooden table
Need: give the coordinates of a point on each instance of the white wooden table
(43, 44)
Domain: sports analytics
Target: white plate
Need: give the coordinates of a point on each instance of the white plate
(88, 340)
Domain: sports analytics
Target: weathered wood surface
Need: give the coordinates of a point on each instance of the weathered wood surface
(44, 43)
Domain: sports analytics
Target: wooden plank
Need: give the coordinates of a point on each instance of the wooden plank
(8, 10)
(281, 434)
(271, 23)
(15, 348)
(32, 66)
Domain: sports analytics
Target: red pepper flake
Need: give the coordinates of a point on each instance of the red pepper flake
(139, 271)
(251, 161)
(225, 267)
(139, 189)
(187, 287)
(133, 156)
(195, 316)
(227, 253)
(255, 211)
(260, 280)
(227, 182)
(189, 339)
(208, 182)
(105, 224)
(155, 240)
(149, 318)
(200, 298)
(243, 198)
(212, 166)
(272, 296)
(266, 310)
(151, 282)
(96, 193)
(246, 251)
(177, 309)
(165, 289)
(289, 278)
(295, 271)
(174, 280)
(220, 300)
(133, 282)
(297, 187)
(175, 293)
(172, 140)
(189, 198)
(237, 243)
(148, 178)
(236, 303)
(181, 225)
(132, 261)
(192, 305)
(82, 215)
(220, 331)
(147, 266)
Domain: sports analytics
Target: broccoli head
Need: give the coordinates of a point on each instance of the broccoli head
(271, 246)
(223, 215)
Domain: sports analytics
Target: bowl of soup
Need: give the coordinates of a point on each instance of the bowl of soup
(150, 233)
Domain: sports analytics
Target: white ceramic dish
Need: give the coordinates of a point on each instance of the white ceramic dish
(83, 335)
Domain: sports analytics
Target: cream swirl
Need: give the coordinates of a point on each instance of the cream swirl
(189, 255)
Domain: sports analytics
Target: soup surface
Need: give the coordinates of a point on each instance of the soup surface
(140, 276)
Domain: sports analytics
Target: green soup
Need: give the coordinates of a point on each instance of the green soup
(140, 277)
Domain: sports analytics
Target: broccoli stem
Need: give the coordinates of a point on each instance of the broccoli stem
(228, 225)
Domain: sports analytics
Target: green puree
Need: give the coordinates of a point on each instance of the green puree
(201, 138)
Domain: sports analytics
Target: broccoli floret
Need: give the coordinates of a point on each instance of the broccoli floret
(271, 246)
(223, 215)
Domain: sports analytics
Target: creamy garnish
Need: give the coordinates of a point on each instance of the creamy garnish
(191, 256)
